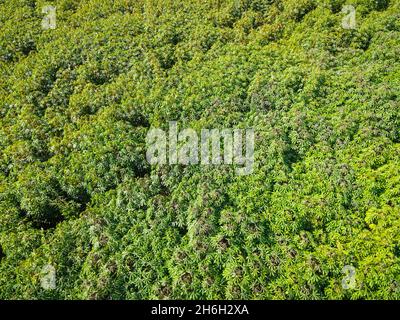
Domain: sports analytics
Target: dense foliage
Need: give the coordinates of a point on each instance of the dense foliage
(77, 193)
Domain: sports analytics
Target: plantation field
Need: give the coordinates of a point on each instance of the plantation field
(83, 82)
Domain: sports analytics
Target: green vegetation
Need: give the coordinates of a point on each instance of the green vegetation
(76, 191)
